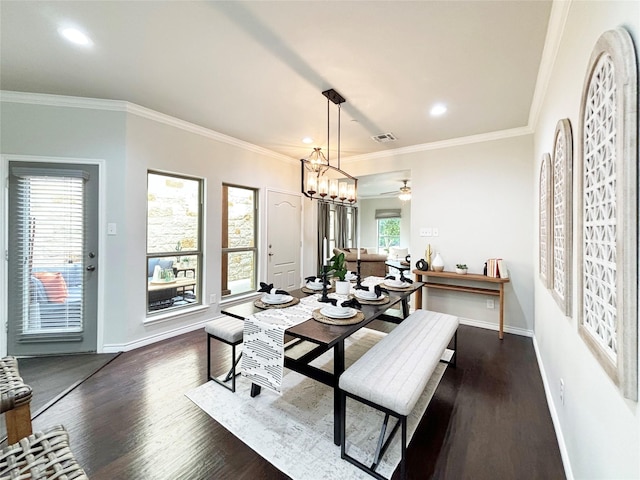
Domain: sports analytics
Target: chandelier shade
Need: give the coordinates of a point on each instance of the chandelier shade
(319, 179)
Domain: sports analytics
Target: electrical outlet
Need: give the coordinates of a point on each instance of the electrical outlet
(491, 303)
(213, 298)
(561, 391)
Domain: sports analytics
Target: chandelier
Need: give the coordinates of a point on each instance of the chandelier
(318, 176)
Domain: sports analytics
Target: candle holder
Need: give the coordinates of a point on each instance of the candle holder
(324, 298)
(358, 279)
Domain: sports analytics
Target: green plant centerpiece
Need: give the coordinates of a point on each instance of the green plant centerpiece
(338, 267)
(461, 268)
(338, 270)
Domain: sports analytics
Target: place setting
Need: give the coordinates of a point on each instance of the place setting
(397, 282)
(315, 284)
(338, 312)
(373, 295)
(274, 298)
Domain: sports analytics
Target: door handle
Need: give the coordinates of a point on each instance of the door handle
(90, 268)
(271, 254)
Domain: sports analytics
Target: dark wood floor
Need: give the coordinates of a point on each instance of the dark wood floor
(131, 420)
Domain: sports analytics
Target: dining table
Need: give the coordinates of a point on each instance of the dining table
(324, 337)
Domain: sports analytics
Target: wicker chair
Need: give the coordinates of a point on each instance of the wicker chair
(43, 455)
(15, 400)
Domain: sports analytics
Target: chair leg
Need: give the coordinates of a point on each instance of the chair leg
(18, 423)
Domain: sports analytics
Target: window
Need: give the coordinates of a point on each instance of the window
(388, 229)
(239, 239)
(174, 241)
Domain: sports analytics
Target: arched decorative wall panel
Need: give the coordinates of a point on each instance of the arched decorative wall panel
(607, 214)
(544, 215)
(562, 216)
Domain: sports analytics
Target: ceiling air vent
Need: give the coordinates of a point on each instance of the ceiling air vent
(384, 137)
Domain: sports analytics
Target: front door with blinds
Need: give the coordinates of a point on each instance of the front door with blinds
(53, 258)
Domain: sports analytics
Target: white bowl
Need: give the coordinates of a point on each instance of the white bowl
(273, 297)
(366, 294)
(338, 311)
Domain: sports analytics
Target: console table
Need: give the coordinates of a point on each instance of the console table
(496, 287)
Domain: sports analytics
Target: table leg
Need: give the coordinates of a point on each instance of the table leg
(338, 369)
(255, 390)
(405, 307)
(501, 332)
(418, 278)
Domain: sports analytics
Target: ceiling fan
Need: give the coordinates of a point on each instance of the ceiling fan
(404, 193)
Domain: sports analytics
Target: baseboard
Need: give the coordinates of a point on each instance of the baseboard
(566, 462)
(125, 347)
(492, 326)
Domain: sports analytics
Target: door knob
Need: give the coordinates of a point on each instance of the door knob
(90, 268)
(271, 254)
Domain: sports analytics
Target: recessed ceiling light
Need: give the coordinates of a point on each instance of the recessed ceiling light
(438, 109)
(307, 140)
(76, 36)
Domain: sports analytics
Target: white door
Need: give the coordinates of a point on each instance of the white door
(52, 258)
(284, 233)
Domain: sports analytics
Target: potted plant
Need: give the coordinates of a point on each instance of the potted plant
(461, 268)
(338, 270)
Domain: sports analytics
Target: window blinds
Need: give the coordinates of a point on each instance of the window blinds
(388, 213)
(48, 243)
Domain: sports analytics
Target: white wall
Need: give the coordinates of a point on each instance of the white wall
(601, 430)
(130, 145)
(480, 198)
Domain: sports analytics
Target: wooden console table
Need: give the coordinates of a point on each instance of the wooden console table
(424, 275)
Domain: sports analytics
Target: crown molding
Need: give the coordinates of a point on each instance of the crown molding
(454, 142)
(134, 109)
(555, 31)
(62, 101)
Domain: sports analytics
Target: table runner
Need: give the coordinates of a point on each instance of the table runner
(263, 341)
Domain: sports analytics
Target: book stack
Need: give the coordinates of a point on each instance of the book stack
(496, 268)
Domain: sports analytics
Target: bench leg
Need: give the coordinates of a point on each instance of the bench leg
(403, 459)
(18, 423)
(383, 430)
(231, 374)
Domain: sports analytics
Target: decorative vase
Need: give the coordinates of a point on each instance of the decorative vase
(438, 263)
(343, 287)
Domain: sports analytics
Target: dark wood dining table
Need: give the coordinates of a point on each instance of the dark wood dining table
(327, 337)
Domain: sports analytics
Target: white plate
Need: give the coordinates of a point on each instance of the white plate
(350, 278)
(314, 286)
(333, 312)
(396, 284)
(284, 299)
(363, 296)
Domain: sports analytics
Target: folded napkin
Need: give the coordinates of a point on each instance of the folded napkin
(268, 288)
(401, 279)
(314, 279)
(352, 302)
(405, 279)
(376, 288)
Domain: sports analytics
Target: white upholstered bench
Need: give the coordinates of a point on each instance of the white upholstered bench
(227, 330)
(392, 375)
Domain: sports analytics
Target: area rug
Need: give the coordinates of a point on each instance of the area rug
(294, 432)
